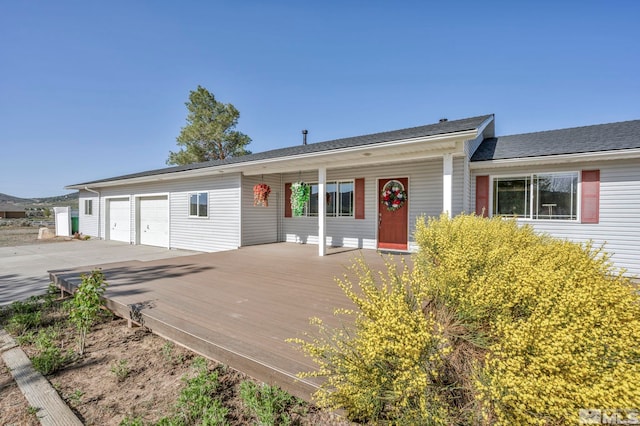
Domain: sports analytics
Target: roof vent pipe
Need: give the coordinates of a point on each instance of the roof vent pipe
(444, 120)
(304, 136)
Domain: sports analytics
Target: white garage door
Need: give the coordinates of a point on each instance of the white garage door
(119, 220)
(153, 222)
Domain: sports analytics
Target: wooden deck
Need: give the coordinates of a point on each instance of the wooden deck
(236, 307)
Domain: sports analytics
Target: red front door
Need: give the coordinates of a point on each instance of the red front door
(393, 216)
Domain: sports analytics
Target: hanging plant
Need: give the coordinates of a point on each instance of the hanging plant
(261, 193)
(393, 195)
(300, 194)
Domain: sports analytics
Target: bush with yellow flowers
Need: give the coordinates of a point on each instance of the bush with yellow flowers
(388, 369)
(495, 324)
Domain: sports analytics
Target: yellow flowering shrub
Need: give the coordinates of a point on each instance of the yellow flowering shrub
(494, 324)
(387, 368)
(562, 326)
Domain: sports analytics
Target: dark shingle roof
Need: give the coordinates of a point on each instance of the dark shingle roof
(410, 133)
(602, 137)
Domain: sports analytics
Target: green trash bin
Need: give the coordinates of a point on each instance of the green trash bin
(75, 225)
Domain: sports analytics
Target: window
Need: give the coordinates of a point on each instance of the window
(88, 207)
(537, 196)
(339, 199)
(199, 204)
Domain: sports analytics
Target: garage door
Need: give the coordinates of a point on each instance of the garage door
(153, 223)
(119, 220)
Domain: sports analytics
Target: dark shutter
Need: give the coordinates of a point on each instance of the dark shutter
(590, 196)
(287, 200)
(482, 195)
(359, 198)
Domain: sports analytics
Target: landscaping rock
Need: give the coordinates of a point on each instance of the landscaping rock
(46, 234)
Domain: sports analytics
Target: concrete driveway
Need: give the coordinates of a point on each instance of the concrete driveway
(24, 269)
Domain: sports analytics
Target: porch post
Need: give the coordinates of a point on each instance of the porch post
(447, 183)
(322, 210)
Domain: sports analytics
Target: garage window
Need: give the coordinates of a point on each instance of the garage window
(199, 204)
(88, 207)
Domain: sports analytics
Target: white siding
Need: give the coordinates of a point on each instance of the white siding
(619, 227)
(88, 224)
(459, 181)
(425, 198)
(260, 224)
(472, 145)
(219, 231)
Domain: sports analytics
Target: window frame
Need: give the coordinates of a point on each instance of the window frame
(337, 207)
(198, 204)
(88, 203)
(532, 190)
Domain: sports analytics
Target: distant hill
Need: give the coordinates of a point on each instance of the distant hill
(60, 200)
(4, 198)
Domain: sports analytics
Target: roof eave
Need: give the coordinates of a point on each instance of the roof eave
(558, 159)
(320, 157)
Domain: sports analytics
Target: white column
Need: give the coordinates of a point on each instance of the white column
(322, 210)
(447, 183)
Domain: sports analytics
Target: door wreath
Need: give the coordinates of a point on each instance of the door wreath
(393, 195)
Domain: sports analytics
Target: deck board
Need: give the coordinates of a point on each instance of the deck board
(237, 307)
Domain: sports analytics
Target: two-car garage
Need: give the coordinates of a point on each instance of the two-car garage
(151, 224)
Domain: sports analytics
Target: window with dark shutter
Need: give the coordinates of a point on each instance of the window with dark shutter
(287, 200)
(590, 211)
(482, 195)
(359, 195)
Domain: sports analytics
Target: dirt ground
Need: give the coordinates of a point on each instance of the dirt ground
(23, 235)
(155, 371)
(156, 367)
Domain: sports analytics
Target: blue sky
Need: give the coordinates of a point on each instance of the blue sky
(90, 90)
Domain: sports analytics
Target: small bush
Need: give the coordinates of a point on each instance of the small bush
(267, 403)
(20, 323)
(120, 369)
(132, 421)
(49, 358)
(197, 402)
(169, 355)
(86, 305)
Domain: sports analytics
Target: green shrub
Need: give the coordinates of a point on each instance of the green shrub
(197, 402)
(49, 358)
(120, 369)
(267, 403)
(86, 305)
(20, 323)
(215, 414)
(131, 421)
(495, 324)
